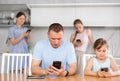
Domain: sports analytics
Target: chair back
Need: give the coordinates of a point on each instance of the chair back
(12, 61)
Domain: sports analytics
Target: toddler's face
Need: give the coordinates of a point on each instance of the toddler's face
(102, 52)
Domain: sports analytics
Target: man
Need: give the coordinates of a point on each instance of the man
(54, 49)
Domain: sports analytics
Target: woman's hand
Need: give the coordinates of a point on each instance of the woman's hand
(27, 34)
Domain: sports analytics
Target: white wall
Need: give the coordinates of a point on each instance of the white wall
(3, 37)
(112, 34)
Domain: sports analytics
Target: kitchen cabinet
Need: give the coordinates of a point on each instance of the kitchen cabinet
(44, 16)
(92, 14)
(8, 13)
(7, 18)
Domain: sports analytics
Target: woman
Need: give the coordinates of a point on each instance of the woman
(18, 37)
(80, 40)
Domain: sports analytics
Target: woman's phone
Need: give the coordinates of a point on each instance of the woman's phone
(29, 30)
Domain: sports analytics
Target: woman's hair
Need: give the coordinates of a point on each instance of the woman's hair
(56, 27)
(20, 14)
(77, 21)
(99, 43)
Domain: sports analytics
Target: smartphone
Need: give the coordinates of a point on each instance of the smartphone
(29, 30)
(35, 77)
(57, 64)
(78, 40)
(104, 69)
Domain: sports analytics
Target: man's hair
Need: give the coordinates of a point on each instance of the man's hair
(56, 27)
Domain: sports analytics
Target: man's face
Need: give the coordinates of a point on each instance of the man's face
(55, 38)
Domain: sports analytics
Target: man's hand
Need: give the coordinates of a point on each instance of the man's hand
(58, 72)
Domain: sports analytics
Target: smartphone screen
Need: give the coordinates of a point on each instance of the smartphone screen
(57, 64)
(78, 40)
(29, 30)
(104, 69)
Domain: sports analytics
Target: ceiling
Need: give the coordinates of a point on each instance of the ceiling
(13, 7)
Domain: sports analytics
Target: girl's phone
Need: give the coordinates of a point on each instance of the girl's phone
(78, 40)
(104, 69)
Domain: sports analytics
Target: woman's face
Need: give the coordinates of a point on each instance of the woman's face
(20, 20)
(102, 52)
(79, 27)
